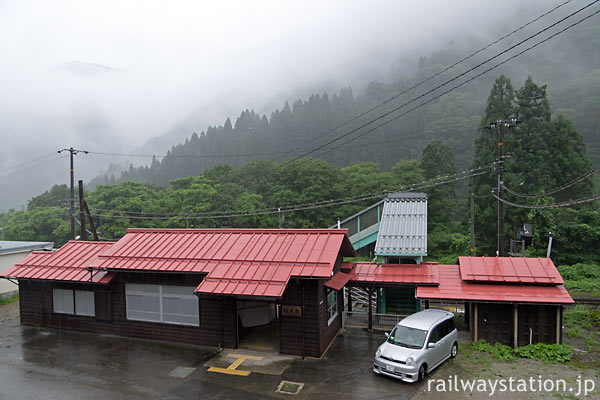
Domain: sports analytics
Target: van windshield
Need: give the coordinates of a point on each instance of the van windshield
(407, 337)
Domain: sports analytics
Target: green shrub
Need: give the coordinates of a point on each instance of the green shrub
(581, 278)
(540, 351)
(9, 300)
(576, 332)
(582, 316)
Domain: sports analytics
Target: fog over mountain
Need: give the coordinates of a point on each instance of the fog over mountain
(108, 76)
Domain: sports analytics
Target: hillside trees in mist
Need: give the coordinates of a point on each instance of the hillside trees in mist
(542, 154)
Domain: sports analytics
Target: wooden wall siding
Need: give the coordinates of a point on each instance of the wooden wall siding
(218, 315)
(30, 302)
(291, 328)
(328, 332)
(495, 323)
(542, 322)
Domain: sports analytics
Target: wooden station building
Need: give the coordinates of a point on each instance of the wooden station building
(201, 286)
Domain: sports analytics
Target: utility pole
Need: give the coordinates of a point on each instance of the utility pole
(500, 162)
(499, 124)
(72, 152)
(82, 211)
(472, 216)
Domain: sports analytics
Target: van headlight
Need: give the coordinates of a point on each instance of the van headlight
(378, 352)
(410, 361)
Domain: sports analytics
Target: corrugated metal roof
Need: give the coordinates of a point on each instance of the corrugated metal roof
(403, 226)
(338, 280)
(509, 269)
(69, 263)
(310, 251)
(247, 279)
(452, 287)
(367, 272)
(250, 262)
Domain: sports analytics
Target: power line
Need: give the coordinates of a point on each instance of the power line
(301, 207)
(549, 206)
(322, 202)
(28, 162)
(451, 80)
(454, 87)
(32, 167)
(183, 155)
(556, 189)
(428, 78)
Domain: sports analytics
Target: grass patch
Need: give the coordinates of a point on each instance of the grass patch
(9, 300)
(540, 351)
(576, 332)
(583, 279)
(582, 316)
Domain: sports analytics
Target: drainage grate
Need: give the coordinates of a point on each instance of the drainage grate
(289, 387)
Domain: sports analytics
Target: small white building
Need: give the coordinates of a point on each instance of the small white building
(12, 252)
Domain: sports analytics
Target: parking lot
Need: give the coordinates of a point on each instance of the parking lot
(51, 364)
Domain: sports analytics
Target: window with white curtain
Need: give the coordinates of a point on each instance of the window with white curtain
(63, 301)
(84, 303)
(78, 302)
(162, 303)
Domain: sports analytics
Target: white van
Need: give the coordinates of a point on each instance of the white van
(417, 345)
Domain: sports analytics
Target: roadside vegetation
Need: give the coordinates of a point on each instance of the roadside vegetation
(9, 300)
(540, 351)
(581, 280)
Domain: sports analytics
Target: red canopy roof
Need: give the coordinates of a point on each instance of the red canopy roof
(69, 263)
(338, 280)
(509, 269)
(369, 272)
(452, 287)
(253, 262)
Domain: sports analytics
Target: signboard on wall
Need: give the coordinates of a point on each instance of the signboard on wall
(291, 311)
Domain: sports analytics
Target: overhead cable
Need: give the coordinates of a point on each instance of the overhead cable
(556, 189)
(454, 87)
(549, 206)
(416, 85)
(330, 203)
(450, 81)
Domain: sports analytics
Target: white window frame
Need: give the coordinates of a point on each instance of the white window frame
(332, 311)
(73, 295)
(162, 296)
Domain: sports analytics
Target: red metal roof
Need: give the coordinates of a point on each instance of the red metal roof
(247, 279)
(69, 263)
(252, 262)
(452, 287)
(509, 269)
(369, 272)
(338, 280)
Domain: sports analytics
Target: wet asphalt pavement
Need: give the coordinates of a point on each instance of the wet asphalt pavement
(52, 364)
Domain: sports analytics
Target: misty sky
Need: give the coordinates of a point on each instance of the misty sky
(109, 75)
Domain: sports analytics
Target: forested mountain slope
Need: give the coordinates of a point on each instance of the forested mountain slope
(568, 65)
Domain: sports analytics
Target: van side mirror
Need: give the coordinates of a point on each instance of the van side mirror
(387, 335)
(430, 345)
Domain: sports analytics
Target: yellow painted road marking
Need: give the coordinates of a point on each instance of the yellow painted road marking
(232, 369)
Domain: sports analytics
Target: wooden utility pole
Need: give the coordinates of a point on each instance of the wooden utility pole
(472, 216)
(500, 162)
(72, 152)
(82, 211)
(499, 124)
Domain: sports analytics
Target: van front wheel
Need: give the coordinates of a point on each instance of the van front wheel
(421, 373)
